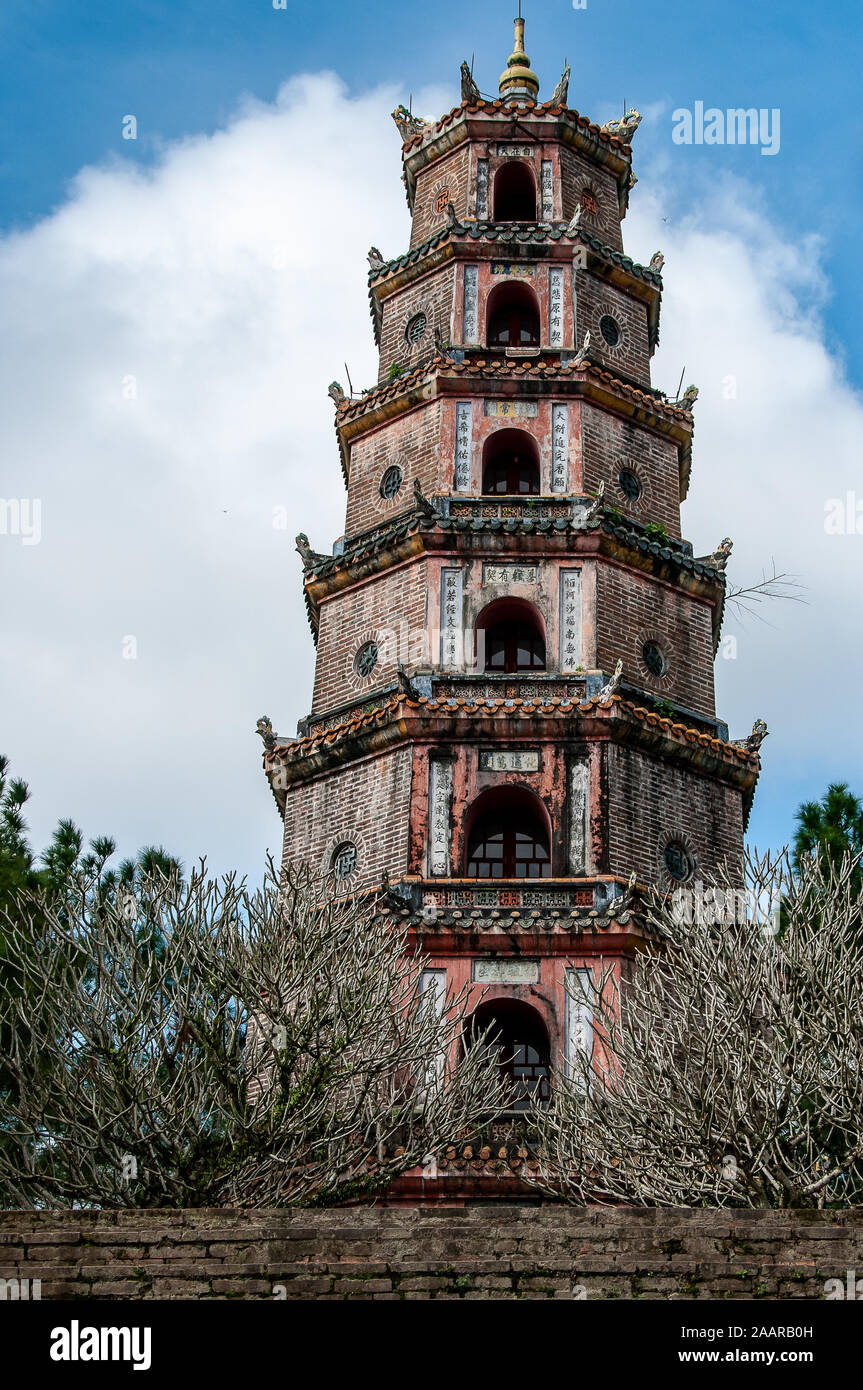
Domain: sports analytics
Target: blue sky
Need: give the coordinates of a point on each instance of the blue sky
(71, 71)
(158, 261)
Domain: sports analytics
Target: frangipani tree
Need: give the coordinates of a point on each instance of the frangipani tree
(727, 1065)
(277, 1048)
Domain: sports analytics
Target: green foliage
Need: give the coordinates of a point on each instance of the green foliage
(396, 370)
(834, 823)
(16, 857)
(58, 873)
(655, 531)
(663, 708)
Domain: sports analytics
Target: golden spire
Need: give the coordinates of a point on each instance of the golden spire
(518, 81)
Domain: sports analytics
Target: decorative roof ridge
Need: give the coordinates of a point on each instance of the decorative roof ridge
(491, 367)
(386, 390)
(529, 108)
(639, 541)
(368, 543)
(538, 231)
(566, 920)
(481, 704)
(413, 254)
(647, 393)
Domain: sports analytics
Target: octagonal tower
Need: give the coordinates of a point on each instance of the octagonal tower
(513, 707)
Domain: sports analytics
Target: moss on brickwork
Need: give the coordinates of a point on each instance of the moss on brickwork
(356, 1252)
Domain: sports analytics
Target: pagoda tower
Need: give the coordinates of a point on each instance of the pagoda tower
(513, 727)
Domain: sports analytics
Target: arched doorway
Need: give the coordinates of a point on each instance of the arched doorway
(512, 317)
(508, 836)
(511, 633)
(517, 1042)
(514, 193)
(510, 464)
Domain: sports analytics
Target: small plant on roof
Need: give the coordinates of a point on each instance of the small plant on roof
(396, 370)
(656, 531)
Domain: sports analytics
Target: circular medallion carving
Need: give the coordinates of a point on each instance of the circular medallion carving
(365, 660)
(611, 333)
(654, 659)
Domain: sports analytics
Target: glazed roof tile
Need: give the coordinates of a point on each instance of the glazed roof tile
(561, 920)
(494, 108)
(509, 368)
(528, 233)
(548, 707)
(371, 544)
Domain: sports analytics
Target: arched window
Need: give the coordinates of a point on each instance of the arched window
(512, 647)
(510, 464)
(514, 193)
(514, 1038)
(512, 317)
(508, 836)
(513, 636)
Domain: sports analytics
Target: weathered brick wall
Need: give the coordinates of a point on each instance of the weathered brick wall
(386, 609)
(608, 444)
(632, 610)
(451, 173)
(577, 174)
(651, 802)
(366, 803)
(413, 444)
(432, 296)
(472, 1253)
(631, 356)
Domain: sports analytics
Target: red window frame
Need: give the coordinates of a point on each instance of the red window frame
(508, 846)
(511, 475)
(516, 326)
(512, 647)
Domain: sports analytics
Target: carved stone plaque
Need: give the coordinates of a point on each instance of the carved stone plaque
(555, 306)
(450, 618)
(547, 187)
(440, 797)
(470, 315)
(510, 574)
(523, 272)
(501, 760)
(482, 190)
(510, 409)
(506, 972)
(463, 436)
(559, 448)
(570, 619)
(579, 813)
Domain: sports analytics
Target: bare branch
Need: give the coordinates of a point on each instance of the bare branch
(727, 1064)
(745, 599)
(276, 1049)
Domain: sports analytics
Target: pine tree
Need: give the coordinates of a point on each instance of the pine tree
(835, 822)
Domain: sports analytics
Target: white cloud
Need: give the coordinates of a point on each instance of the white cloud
(230, 282)
(742, 302)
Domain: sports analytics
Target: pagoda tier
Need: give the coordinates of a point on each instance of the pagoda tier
(513, 728)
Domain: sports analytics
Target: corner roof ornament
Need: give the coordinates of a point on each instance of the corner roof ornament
(518, 81)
